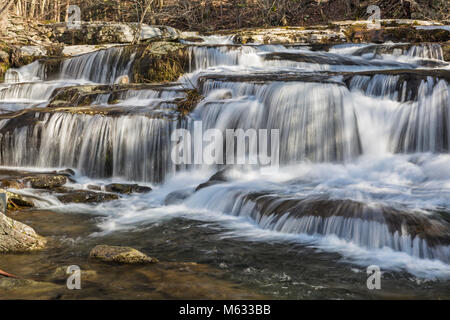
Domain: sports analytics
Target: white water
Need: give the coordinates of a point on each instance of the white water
(380, 140)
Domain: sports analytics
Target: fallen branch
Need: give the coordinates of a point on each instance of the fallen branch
(6, 274)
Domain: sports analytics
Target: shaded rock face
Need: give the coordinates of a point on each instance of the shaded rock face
(123, 255)
(404, 33)
(177, 197)
(105, 32)
(60, 274)
(160, 62)
(18, 237)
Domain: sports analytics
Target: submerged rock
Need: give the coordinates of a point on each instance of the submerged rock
(126, 188)
(218, 177)
(60, 274)
(177, 197)
(18, 237)
(125, 255)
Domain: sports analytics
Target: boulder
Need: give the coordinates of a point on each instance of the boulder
(18, 237)
(124, 255)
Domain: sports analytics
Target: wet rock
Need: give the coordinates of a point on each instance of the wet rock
(177, 197)
(193, 39)
(46, 181)
(84, 95)
(66, 172)
(11, 288)
(85, 196)
(431, 227)
(260, 77)
(18, 237)
(126, 188)
(124, 255)
(94, 33)
(328, 58)
(218, 177)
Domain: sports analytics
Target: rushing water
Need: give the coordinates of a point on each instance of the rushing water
(364, 152)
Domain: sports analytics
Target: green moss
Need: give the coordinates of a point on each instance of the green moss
(3, 67)
(160, 62)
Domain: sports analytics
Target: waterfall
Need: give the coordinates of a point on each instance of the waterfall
(133, 147)
(369, 226)
(316, 123)
(364, 136)
(102, 66)
(428, 51)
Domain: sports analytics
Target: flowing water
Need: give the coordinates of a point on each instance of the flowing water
(364, 173)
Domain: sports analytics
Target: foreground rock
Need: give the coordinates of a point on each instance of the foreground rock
(18, 237)
(125, 255)
(28, 289)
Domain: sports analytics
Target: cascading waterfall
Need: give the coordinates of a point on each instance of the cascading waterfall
(315, 124)
(102, 66)
(134, 147)
(428, 51)
(354, 132)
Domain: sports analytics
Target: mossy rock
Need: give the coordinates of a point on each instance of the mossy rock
(160, 62)
(18, 237)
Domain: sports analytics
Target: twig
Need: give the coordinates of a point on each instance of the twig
(6, 274)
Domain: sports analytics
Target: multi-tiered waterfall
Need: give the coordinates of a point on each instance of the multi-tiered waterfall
(364, 143)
